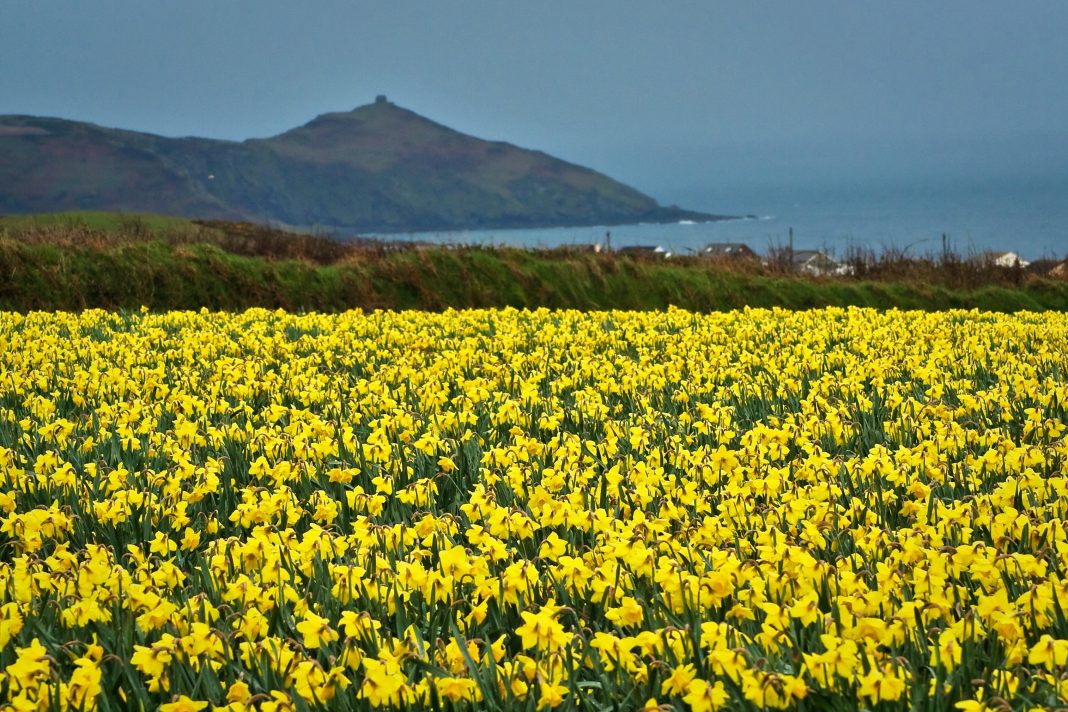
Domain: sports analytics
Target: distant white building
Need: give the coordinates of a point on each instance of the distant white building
(818, 264)
(1004, 259)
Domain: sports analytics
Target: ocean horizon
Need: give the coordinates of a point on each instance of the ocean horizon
(1028, 216)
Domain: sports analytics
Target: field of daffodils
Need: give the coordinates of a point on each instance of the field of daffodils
(505, 510)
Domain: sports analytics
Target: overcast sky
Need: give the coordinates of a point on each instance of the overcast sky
(664, 95)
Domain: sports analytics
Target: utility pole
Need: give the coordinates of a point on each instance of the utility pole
(790, 256)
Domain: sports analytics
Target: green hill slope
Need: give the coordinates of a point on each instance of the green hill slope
(378, 168)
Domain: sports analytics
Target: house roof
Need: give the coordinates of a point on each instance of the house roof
(1002, 258)
(725, 245)
(728, 248)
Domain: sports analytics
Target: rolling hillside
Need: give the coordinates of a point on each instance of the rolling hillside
(377, 168)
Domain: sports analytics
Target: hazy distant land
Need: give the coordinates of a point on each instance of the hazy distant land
(378, 168)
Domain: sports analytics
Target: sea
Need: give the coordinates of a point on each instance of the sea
(1028, 216)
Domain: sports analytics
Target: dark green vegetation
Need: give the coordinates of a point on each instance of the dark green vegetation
(378, 168)
(125, 262)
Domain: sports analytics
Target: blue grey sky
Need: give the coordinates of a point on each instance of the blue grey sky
(667, 96)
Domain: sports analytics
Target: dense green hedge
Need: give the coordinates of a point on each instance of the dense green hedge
(162, 276)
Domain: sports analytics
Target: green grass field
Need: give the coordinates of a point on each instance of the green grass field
(110, 222)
